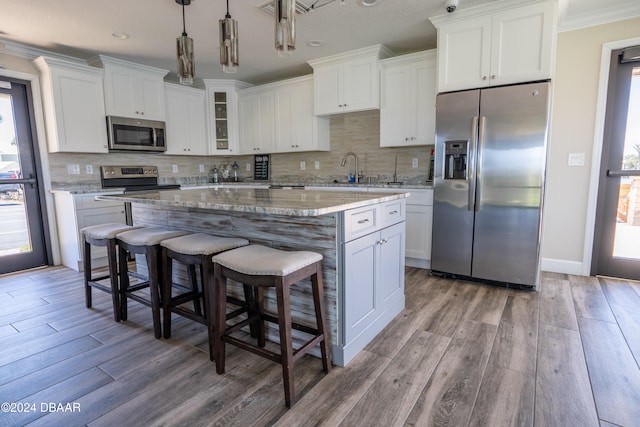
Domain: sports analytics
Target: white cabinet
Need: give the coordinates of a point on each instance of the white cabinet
(408, 100)
(73, 106)
(278, 117)
(186, 125)
(373, 270)
(132, 90)
(296, 126)
(347, 82)
(76, 211)
(222, 115)
(257, 126)
(419, 218)
(491, 45)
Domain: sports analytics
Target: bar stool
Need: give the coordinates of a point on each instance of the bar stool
(259, 267)
(143, 241)
(191, 250)
(103, 235)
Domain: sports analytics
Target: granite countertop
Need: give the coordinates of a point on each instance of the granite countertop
(96, 188)
(260, 200)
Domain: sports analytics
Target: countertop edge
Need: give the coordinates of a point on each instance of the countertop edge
(272, 210)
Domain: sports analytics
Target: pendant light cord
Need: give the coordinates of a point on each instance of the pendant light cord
(227, 15)
(184, 26)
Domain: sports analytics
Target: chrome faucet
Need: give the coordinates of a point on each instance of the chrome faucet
(344, 162)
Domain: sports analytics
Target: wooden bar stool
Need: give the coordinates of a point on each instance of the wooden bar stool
(103, 235)
(191, 250)
(143, 241)
(259, 267)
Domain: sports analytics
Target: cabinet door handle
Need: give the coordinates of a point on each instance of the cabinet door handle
(363, 221)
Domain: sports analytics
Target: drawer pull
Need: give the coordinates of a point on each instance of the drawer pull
(393, 212)
(363, 221)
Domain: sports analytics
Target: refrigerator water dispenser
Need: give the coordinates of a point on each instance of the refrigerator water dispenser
(455, 159)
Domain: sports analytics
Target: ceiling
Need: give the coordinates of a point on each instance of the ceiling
(83, 28)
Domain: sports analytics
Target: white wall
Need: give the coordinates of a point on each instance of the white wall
(568, 227)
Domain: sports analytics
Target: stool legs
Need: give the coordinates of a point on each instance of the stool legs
(218, 329)
(286, 349)
(152, 253)
(113, 274)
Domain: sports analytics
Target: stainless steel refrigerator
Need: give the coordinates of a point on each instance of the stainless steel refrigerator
(491, 149)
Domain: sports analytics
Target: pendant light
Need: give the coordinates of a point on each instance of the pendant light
(285, 12)
(229, 43)
(184, 44)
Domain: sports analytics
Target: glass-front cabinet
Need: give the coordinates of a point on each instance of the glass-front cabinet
(222, 115)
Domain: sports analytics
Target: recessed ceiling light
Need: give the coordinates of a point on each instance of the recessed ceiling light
(368, 3)
(315, 43)
(121, 35)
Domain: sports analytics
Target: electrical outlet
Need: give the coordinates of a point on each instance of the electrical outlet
(248, 167)
(201, 168)
(89, 169)
(73, 169)
(317, 165)
(303, 165)
(174, 168)
(414, 163)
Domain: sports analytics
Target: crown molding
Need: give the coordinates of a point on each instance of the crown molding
(599, 17)
(30, 52)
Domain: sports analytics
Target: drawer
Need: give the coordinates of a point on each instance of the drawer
(393, 212)
(420, 197)
(361, 221)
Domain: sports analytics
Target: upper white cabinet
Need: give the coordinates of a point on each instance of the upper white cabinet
(495, 44)
(132, 90)
(257, 124)
(347, 82)
(186, 124)
(279, 118)
(408, 99)
(222, 115)
(296, 126)
(73, 106)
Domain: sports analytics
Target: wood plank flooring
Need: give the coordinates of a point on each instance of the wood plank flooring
(460, 354)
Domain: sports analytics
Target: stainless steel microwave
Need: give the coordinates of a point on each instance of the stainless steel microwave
(127, 134)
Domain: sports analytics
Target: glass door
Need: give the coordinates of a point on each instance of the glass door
(617, 237)
(23, 242)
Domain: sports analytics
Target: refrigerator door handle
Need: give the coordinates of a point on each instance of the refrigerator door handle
(478, 192)
(471, 173)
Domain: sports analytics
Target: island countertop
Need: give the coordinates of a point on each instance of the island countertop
(260, 200)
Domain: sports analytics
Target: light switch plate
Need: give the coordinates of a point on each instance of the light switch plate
(576, 159)
(248, 167)
(73, 169)
(174, 168)
(201, 168)
(89, 169)
(317, 164)
(414, 163)
(303, 165)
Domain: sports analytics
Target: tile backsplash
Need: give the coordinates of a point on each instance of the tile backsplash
(356, 132)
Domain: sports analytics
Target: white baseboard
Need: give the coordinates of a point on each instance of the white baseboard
(418, 263)
(562, 266)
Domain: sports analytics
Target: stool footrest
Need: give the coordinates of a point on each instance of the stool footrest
(138, 298)
(100, 286)
(182, 298)
(97, 279)
(294, 325)
(189, 315)
(260, 351)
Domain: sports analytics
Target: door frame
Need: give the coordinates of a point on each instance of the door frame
(598, 142)
(39, 136)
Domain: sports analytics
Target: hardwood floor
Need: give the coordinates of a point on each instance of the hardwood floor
(460, 354)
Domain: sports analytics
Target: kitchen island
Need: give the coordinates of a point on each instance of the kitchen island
(361, 236)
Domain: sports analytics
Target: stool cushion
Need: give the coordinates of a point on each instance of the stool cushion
(106, 231)
(149, 236)
(260, 260)
(203, 244)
